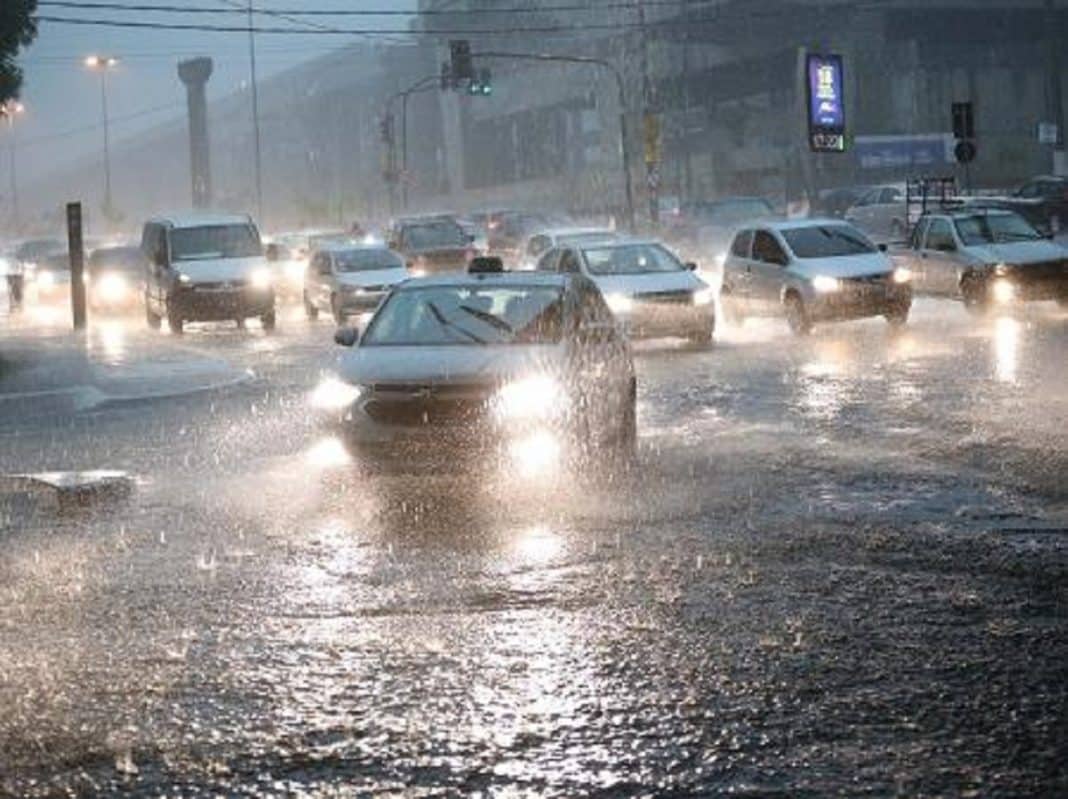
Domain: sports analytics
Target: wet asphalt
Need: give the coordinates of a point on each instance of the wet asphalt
(839, 567)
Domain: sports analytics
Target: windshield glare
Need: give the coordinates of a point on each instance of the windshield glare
(631, 259)
(994, 228)
(438, 234)
(215, 241)
(827, 241)
(366, 260)
(468, 315)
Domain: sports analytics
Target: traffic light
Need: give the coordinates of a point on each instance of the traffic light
(963, 121)
(482, 86)
(460, 66)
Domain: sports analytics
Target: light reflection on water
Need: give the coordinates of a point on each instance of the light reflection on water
(1007, 335)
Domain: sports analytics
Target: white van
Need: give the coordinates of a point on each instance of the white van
(206, 267)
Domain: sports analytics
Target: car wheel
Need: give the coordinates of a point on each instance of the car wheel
(973, 292)
(898, 317)
(153, 320)
(797, 316)
(336, 310)
(310, 310)
(269, 321)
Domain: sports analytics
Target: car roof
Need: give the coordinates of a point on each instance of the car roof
(188, 219)
(795, 224)
(573, 231)
(502, 279)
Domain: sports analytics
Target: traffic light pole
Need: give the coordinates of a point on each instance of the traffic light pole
(623, 137)
(420, 85)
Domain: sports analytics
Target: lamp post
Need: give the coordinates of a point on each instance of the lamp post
(101, 64)
(9, 111)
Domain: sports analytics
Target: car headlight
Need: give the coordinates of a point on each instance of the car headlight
(537, 397)
(295, 271)
(902, 275)
(261, 278)
(1001, 270)
(112, 288)
(704, 297)
(1003, 291)
(619, 303)
(46, 278)
(825, 285)
(333, 394)
(184, 278)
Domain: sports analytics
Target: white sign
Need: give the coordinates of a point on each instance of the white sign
(1047, 133)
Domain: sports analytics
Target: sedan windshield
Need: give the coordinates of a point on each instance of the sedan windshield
(827, 241)
(472, 315)
(980, 229)
(366, 260)
(435, 234)
(215, 241)
(631, 259)
(128, 259)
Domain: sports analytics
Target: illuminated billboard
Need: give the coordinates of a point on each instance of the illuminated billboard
(826, 103)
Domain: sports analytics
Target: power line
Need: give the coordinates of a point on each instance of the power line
(392, 12)
(66, 134)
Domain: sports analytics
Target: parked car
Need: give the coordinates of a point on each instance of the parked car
(206, 267)
(984, 257)
(431, 244)
(702, 230)
(812, 271)
(116, 278)
(834, 203)
(347, 280)
(541, 241)
(528, 370)
(648, 288)
(881, 213)
(1051, 192)
(507, 231)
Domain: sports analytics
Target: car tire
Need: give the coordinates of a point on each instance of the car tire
(269, 321)
(310, 310)
(153, 320)
(336, 310)
(797, 316)
(898, 317)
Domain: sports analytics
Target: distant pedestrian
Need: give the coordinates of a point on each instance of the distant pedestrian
(13, 269)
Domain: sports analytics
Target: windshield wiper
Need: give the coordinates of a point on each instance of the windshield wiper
(447, 324)
(488, 318)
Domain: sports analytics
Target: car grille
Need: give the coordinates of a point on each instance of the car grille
(867, 280)
(224, 285)
(666, 297)
(416, 404)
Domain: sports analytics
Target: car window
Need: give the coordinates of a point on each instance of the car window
(994, 228)
(890, 195)
(215, 241)
(547, 263)
(767, 249)
(568, 262)
(940, 236)
(1029, 190)
(366, 260)
(869, 198)
(742, 244)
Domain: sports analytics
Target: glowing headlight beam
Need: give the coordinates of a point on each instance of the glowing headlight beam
(619, 303)
(261, 278)
(902, 275)
(825, 285)
(537, 397)
(333, 394)
(704, 297)
(112, 288)
(1003, 291)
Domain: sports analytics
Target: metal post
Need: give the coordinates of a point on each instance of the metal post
(76, 253)
(255, 115)
(107, 146)
(404, 150)
(14, 180)
(652, 171)
(1054, 43)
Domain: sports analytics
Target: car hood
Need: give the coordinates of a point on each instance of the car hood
(443, 365)
(1019, 252)
(874, 263)
(684, 280)
(431, 253)
(373, 277)
(212, 269)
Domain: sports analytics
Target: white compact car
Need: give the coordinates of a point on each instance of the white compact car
(347, 280)
(812, 270)
(522, 368)
(540, 242)
(206, 267)
(650, 291)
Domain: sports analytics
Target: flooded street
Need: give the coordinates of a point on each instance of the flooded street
(838, 567)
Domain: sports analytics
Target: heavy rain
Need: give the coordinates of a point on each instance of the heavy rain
(561, 398)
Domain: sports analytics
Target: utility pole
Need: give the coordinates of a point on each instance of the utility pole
(687, 102)
(10, 110)
(1055, 99)
(102, 64)
(651, 125)
(255, 115)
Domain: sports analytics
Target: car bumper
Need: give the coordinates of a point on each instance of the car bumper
(661, 320)
(208, 305)
(860, 302)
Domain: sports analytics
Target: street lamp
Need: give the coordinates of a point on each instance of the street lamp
(101, 64)
(9, 110)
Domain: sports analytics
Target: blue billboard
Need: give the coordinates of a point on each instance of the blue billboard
(826, 102)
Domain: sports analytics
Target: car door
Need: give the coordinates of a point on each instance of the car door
(940, 258)
(737, 269)
(766, 278)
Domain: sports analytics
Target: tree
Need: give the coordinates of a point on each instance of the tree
(17, 29)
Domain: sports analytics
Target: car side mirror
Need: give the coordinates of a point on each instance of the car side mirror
(691, 265)
(346, 336)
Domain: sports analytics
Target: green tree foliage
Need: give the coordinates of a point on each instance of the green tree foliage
(17, 29)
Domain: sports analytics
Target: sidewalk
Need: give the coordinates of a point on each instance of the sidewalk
(52, 372)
